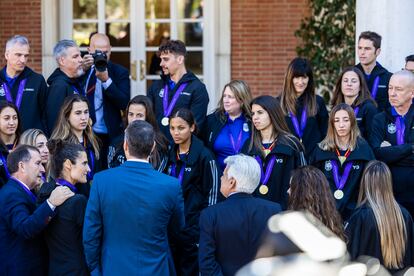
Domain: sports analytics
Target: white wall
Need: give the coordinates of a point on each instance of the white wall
(394, 21)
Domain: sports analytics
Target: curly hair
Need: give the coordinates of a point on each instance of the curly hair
(309, 190)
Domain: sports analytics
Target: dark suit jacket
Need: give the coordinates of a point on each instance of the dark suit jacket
(115, 97)
(127, 216)
(22, 249)
(231, 231)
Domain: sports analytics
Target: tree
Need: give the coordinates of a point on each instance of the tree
(328, 40)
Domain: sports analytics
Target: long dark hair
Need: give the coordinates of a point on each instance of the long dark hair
(298, 67)
(363, 95)
(3, 105)
(309, 190)
(280, 129)
(187, 116)
(160, 140)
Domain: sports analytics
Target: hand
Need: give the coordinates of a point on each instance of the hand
(385, 144)
(87, 62)
(59, 195)
(102, 76)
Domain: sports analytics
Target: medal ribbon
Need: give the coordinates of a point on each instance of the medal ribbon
(19, 93)
(340, 181)
(265, 175)
(303, 119)
(356, 110)
(174, 173)
(63, 182)
(399, 124)
(236, 147)
(168, 108)
(32, 195)
(375, 87)
(4, 160)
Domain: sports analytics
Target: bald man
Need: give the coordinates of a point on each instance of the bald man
(392, 137)
(108, 92)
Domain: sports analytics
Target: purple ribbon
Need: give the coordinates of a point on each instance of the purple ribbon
(356, 110)
(168, 108)
(236, 147)
(303, 119)
(375, 87)
(399, 124)
(43, 177)
(269, 168)
(340, 180)
(32, 195)
(19, 93)
(92, 158)
(4, 160)
(63, 182)
(174, 173)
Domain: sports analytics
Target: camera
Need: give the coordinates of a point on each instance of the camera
(100, 60)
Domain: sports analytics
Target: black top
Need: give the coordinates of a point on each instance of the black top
(359, 157)
(200, 183)
(194, 97)
(64, 234)
(32, 111)
(364, 238)
(288, 157)
(316, 126)
(367, 111)
(60, 86)
(384, 79)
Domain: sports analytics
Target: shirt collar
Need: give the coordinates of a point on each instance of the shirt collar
(138, 160)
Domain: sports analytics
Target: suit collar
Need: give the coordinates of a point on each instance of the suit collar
(137, 164)
(239, 195)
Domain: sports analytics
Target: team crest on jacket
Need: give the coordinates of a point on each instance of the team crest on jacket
(328, 165)
(161, 94)
(2, 93)
(392, 128)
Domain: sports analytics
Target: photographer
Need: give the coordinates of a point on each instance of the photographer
(107, 88)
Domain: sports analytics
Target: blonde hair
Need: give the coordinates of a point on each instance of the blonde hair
(241, 91)
(329, 143)
(63, 129)
(376, 190)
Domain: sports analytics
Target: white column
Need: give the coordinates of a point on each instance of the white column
(394, 21)
(49, 35)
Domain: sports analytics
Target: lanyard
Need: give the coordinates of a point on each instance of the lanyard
(400, 126)
(63, 182)
(19, 96)
(168, 108)
(375, 87)
(265, 175)
(32, 195)
(299, 129)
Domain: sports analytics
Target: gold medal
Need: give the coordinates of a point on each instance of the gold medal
(263, 189)
(338, 194)
(165, 121)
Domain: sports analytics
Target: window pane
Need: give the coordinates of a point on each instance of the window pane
(157, 9)
(85, 9)
(194, 62)
(156, 32)
(153, 64)
(119, 34)
(191, 33)
(82, 31)
(121, 58)
(190, 9)
(117, 9)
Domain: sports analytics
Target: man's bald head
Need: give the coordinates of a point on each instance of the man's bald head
(405, 75)
(101, 42)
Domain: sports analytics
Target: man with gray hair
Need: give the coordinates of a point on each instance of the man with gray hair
(65, 80)
(392, 137)
(22, 86)
(230, 231)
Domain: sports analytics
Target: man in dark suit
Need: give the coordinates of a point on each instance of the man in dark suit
(22, 251)
(108, 92)
(230, 231)
(129, 211)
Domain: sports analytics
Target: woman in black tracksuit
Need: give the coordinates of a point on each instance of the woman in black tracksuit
(352, 89)
(276, 150)
(342, 157)
(194, 165)
(305, 112)
(228, 128)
